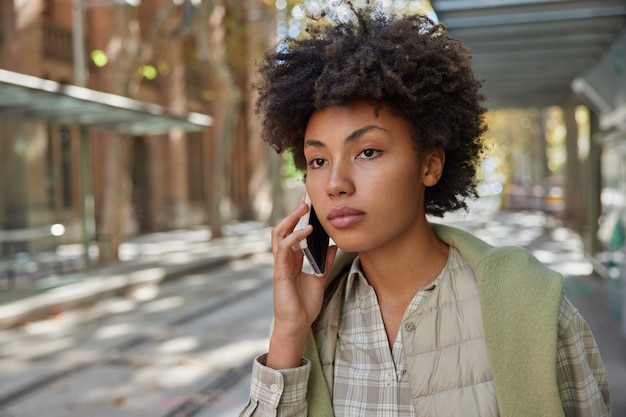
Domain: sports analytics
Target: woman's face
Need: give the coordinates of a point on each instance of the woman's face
(364, 177)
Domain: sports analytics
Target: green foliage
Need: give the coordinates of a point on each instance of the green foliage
(289, 171)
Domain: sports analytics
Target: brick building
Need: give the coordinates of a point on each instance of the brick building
(177, 154)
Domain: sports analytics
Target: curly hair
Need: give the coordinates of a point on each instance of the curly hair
(408, 63)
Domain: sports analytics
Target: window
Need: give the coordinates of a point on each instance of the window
(58, 168)
(195, 166)
(65, 167)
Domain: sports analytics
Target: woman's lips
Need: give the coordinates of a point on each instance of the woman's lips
(344, 217)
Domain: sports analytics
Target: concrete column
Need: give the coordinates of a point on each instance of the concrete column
(574, 214)
(177, 181)
(594, 186)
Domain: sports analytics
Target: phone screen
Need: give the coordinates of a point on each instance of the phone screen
(317, 244)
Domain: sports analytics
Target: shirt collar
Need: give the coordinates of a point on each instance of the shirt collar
(356, 278)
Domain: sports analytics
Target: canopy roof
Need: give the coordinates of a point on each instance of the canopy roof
(530, 51)
(31, 97)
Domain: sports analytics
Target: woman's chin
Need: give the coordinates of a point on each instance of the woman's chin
(348, 245)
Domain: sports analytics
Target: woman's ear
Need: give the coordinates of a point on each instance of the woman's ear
(433, 166)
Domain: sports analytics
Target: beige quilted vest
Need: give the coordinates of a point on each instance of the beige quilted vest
(446, 354)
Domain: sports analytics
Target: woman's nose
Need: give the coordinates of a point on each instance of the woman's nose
(339, 181)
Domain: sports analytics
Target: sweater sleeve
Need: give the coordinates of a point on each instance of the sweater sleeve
(280, 393)
(580, 372)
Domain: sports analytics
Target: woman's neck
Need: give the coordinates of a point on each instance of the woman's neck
(400, 269)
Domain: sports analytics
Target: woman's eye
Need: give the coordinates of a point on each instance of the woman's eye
(316, 162)
(369, 153)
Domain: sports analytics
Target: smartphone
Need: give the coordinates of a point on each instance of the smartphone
(315, 246)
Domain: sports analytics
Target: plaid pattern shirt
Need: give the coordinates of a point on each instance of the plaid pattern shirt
(370, 378)
(581, 375)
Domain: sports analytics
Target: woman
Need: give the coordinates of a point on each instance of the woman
(413, 319)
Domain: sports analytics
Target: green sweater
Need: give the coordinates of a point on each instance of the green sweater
(520, 300)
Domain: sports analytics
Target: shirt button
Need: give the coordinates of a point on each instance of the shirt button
(389, 378)
(274, 388)
(409, 327)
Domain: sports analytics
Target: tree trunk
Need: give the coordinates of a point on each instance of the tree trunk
(224, 116)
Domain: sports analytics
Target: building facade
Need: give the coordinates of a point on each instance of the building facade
(183, 58)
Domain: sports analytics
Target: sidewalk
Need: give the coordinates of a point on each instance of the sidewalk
(153, 258)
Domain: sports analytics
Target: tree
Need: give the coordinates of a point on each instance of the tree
(217, 31)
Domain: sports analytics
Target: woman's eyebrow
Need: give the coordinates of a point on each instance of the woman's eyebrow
(350, 138)
(362, 131)
(314, 143)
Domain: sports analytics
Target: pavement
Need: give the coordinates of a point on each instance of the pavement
(149, 260)
(165, 256)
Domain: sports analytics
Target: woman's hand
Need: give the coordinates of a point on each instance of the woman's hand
(298, 296)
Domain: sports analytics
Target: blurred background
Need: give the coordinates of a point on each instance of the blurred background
(128, 131)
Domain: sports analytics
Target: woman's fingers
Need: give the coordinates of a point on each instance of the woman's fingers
(297, 295)
(284, 229)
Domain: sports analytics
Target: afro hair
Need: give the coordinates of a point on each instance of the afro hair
(406, 62)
